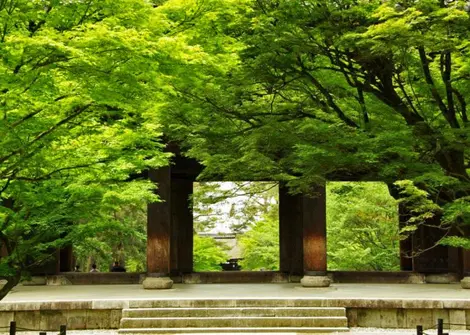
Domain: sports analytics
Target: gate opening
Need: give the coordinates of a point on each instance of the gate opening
(236, 226)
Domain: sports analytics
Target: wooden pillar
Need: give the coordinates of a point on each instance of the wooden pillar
(406, 261)
(159, 224)
(406, 245)
(432, 258)
(454, 260)
(66, 260)
(314, 232)
(56, 262)
(466, 262)
(182, 226)
(290, 232)
(285, 229)
(465, 282)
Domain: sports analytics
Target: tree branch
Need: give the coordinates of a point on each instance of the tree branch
(4, 187)
(405, 94)
(362, 103)
(463, 104)
(446, 72)
(329, 99)
(50, 174)
(392, 99)
(435, 94)
(77, 111)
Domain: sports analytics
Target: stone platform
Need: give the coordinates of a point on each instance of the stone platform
(367, 305)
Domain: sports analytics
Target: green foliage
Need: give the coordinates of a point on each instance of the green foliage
(251, 208)
(260, 245)
(79, 93)
(208, 254)
(305, 92)
(247, 203)
(126, 242)
(456, 241)
(422, 207)
(50, 215)
(207, 209)
(362, 227)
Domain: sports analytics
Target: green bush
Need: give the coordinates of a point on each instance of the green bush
(362, 227)
(208, 254)
(260, 246)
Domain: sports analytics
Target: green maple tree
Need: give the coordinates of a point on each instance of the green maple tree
(306, 92)
(79, 93)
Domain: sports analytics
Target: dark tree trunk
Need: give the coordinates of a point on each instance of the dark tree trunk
(12, 281)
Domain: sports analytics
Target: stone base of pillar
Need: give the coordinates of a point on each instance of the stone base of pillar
(315, 281)
(157, 283)
(465, 282)
(441, 278)
(57, 281)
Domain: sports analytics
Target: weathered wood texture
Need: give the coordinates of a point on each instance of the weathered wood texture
(314, 230)
(159, 224)
(182, 226)
(290, 232)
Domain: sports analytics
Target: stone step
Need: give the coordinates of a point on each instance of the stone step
(204, 303)
(233, 312)
(239, 330)
(223, 322)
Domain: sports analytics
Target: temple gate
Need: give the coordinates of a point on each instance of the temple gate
(302, 235)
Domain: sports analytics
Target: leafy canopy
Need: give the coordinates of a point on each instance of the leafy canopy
(330, 90)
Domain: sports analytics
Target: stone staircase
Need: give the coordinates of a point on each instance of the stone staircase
(231, 316)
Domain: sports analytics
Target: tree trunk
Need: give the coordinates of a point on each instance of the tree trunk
(453, 162)
(12, 281)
